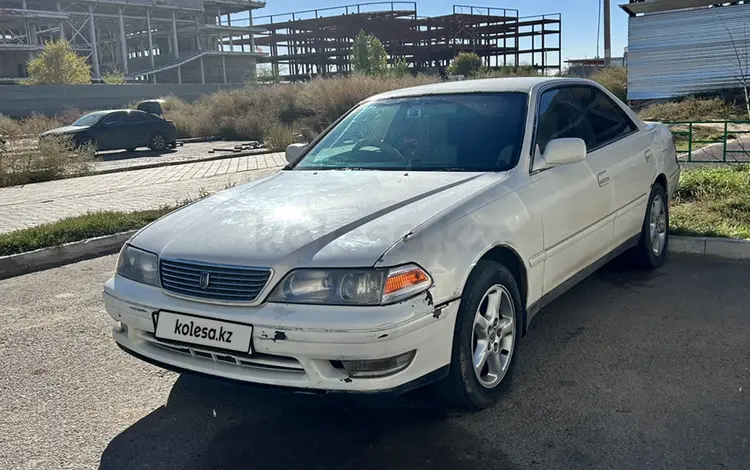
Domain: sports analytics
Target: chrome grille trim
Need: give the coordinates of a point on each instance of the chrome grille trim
(228, 283)
(256, 360)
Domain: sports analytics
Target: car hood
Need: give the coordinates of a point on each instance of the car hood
(65, 130)
(309, 218)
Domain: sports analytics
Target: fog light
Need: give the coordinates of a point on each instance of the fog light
(121, 327)
(379, 367)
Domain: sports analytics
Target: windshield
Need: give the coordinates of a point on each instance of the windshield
(460, 132)
(89, 119)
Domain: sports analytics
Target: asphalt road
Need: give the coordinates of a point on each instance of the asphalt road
(627, 370)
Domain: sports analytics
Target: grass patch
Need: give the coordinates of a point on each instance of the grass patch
(703, 136)
(713, 202)
(693, 109)
(71, 229)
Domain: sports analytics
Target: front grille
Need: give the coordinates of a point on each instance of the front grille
(225, 283)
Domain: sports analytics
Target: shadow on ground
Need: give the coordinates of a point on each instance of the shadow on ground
(214, 424)
(112, 156)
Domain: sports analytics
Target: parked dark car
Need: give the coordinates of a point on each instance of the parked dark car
(120, 129)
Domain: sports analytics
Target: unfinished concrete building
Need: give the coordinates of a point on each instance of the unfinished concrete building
(158, 41)
(319, 42)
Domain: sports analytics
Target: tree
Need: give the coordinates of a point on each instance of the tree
(742, 55)
(399, 68)
(368, 55)
(466, 64)
(58, 64)
(114, 77)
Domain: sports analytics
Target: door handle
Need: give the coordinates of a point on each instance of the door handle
(603, 178)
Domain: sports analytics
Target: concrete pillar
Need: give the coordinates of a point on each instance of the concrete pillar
(197, 34)
(123, 43)
(179, 74)
(94, 48)
(150, 40)
(175, 46)
(607, 34)
(62, 23)
(203, 73)
(224, 67)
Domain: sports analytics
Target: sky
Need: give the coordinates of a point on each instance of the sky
(579, 18)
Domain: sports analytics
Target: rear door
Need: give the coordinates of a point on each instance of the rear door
(138, 128)
(625, 150)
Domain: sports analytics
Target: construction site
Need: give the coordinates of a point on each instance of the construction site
(156, 41)
(221, 41)
(318, 42)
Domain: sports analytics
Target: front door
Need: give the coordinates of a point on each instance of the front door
(577, 198)
(626, 153)
(109, 133)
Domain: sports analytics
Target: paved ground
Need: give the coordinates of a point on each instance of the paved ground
(34, 204)
(185, 153)
(628, 370)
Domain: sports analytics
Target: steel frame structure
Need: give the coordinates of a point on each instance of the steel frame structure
(308, 43)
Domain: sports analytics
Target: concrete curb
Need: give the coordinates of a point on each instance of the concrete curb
(711, 246)
(46, 258)
(222, 156)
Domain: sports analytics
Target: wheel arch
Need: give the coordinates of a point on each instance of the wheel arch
(661, 179)
(509, 257)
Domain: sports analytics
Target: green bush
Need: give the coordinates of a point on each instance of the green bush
(614, 79)
(466, 64)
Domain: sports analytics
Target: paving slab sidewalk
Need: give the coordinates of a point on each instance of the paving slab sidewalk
(35, 204)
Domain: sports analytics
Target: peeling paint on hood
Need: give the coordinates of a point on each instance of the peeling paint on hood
(309, 218)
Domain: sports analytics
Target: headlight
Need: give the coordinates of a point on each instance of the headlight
(351, 286)
(138, 265)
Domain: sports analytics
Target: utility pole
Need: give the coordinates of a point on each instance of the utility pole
(607, 34)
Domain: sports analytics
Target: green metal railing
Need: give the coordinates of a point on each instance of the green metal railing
(710, 141)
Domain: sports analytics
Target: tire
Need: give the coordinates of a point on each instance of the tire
(157, 141)
(653, 244)
(464, 386)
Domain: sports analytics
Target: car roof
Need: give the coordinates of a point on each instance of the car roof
(107, 111)
(490, 85)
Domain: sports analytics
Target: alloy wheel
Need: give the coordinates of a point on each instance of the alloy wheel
(658, 225)
(493, 336)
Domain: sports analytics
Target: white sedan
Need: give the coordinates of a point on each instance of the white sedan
(412, 243)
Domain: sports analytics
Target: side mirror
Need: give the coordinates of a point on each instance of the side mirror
(564, 151)
(293, 151)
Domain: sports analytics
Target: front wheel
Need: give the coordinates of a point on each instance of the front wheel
(158, 141)
(653, 244)
(485, 340)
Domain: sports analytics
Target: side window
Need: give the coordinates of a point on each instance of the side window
(607, 119)
(115, 118)
(561, 116)
(135, 117)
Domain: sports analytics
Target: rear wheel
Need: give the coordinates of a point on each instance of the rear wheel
(485, 340)
(653, 245)
(158, 141)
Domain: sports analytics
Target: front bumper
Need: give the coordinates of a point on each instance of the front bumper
(295, 346)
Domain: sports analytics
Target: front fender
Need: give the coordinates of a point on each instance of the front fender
(450, 246)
